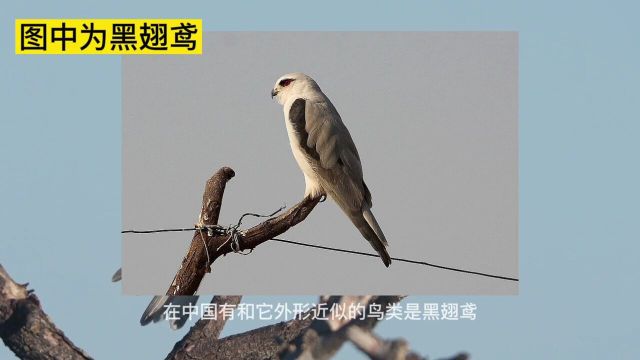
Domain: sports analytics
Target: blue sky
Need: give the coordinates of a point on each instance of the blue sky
(60, 174)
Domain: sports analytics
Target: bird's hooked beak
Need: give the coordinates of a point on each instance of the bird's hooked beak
(274, 92)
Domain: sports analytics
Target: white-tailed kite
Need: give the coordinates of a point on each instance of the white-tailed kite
(329, 160)
(326, 154)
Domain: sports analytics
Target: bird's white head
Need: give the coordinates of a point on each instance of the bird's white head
(294, 85)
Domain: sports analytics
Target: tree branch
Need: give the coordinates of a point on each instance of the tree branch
(30, 334)
(321, 341)
(194, 265)
(380, 349)
(198, 262)
(26, 329)
(305, 337)
(262, 343)
(272, 341)
(205, 332)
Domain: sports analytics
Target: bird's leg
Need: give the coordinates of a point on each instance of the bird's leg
(321, 196)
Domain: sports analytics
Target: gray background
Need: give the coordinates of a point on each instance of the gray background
(434, 116)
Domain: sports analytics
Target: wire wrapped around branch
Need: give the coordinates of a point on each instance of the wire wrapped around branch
(207, 246)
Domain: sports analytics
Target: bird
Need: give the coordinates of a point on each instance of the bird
(330, 163)
(326, 154)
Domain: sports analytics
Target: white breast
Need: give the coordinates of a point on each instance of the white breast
(312, 185)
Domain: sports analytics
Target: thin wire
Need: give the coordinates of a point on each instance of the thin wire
(206, 249)
(157, 231)
(236, 226)
(424, 263)
(397, 259)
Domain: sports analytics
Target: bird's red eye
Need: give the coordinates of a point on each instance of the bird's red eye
(285, 82)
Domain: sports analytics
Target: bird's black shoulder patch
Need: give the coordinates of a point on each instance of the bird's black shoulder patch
(298, 122)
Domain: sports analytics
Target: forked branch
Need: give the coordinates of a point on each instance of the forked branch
(207, 246)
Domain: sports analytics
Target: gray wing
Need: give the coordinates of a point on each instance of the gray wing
(332, 154)
(330, 148)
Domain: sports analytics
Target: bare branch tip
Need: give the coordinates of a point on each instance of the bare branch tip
(227, 172)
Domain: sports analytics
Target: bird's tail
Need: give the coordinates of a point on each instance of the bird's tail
(157, 307)
(369, 228)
